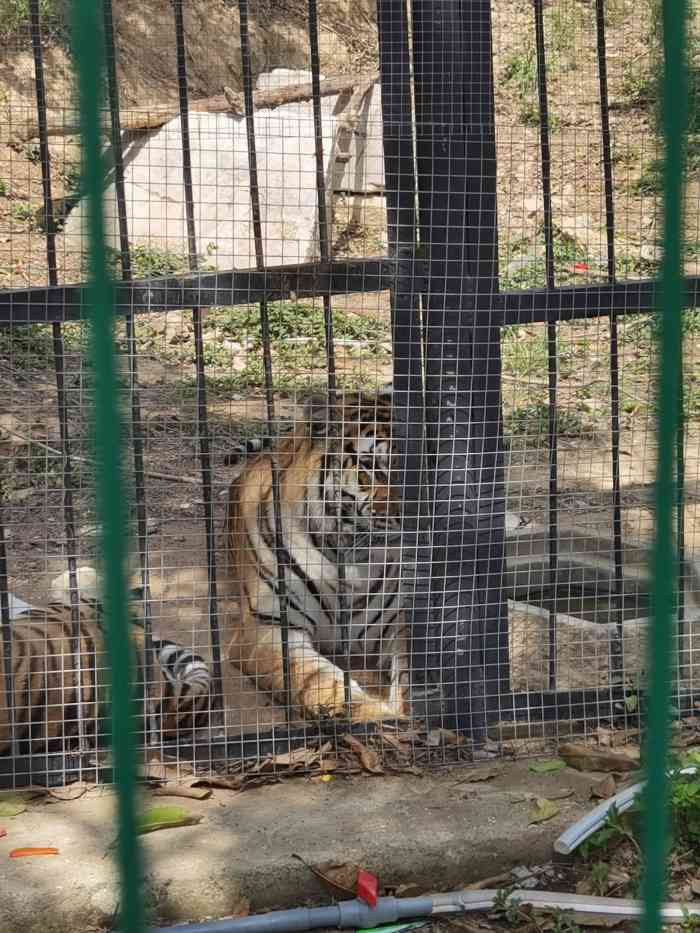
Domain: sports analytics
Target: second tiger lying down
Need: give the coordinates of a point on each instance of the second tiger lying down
(336, 498)
(49, 694)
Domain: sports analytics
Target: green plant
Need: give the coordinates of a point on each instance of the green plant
(3, 188)
(600, 876)
(22, 211)
(520, 71)
(690, 922)
(533, 421)
(14, 18)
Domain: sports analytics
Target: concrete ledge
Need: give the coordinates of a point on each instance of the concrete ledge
(434, 831)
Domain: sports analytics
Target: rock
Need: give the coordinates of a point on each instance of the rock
(221, 182)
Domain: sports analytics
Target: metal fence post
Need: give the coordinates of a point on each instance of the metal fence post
(456, 162)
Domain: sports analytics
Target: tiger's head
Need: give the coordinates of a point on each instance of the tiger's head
(358, 463)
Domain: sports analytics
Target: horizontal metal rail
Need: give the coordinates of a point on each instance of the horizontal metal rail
(60, 303)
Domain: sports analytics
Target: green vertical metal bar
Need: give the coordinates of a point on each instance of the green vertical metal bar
(664, 560)
(88, 46)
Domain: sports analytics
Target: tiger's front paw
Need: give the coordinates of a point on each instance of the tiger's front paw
(325, 698)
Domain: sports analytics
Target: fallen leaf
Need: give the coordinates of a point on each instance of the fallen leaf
(472, 775)
(543, 810)
(604, 736)
(601, 921)
(72, 792)
(166, 818)
(601, 790)
(563, 794)
(26, 853)
(182, 790)
(369, 759)
(340, 877)
(588, 758)
(3, 831)
(213, 780)
(444, 737)
(695, 885)
(11, 805)
(548, 766)
(298, 757)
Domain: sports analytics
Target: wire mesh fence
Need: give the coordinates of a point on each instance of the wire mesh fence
(384, 284)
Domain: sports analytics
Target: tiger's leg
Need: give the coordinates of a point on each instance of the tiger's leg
(317, 685)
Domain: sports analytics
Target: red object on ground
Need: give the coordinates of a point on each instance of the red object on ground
(367, 887)
(581, 267)
(26, 853)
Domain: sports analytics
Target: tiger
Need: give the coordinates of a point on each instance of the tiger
(47, 696)
(336, 498)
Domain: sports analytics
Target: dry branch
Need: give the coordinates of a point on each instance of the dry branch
(59, 123)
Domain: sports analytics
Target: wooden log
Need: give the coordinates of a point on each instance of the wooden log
(65, 123)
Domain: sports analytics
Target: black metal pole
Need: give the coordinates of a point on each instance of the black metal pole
(407, 337)
(553, 497)
(202, 417)
(137, 433)
(617, 643)
(456, 161)
(281, 553)
(58, 351)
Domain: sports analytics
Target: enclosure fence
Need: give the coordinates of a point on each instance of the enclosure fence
(451, 313)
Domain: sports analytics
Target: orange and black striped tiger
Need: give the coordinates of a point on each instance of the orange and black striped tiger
(336, 498)
(52, 700)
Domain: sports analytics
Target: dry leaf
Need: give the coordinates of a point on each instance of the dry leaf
(182, 790)
(589, 758)
(443, 737)
(72, 792)
(472, 775)
(28, 852)
(695, 885)
(604, 736)
(601, 790)
(602, 921)
(543, 810)
(340, 877)
(369, 759)
(3, 831)
(214, 780)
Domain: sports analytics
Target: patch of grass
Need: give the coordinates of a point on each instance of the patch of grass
(14, 19)
(27, 347)
(520, 71)
(292, 320)
(533, 421)
(22, 211)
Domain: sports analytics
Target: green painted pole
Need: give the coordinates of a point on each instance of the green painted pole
(89, 52)
(664, 567)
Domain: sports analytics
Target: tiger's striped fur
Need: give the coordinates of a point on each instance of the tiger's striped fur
(336, 497)
(51, 698)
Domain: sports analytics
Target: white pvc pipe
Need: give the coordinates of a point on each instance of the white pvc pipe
(572, 838)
